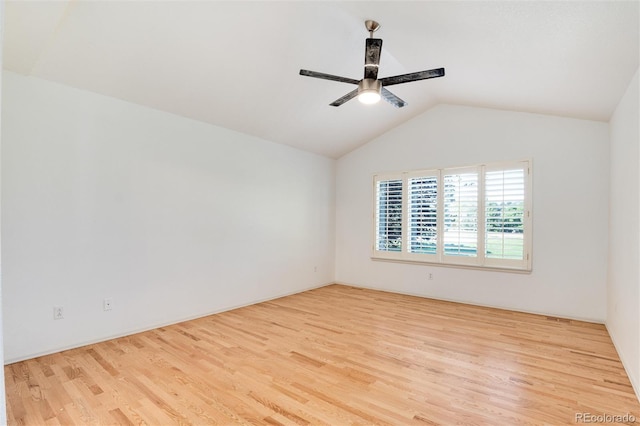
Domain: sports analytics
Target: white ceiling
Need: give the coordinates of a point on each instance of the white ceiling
(235, 63)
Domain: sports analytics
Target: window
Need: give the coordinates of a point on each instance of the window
(423, 208)
(389, 215)
(475, 216)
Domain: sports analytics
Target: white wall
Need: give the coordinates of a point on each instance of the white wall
(170, 217)
(3, 406)
(570, 212)
(623, 295)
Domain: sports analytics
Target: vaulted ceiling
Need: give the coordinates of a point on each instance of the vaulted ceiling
(235, 63)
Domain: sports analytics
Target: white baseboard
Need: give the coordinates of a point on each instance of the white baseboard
(466, 302)
(634, 380)
(154, 326)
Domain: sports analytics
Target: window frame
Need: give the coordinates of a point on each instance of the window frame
(480, 260)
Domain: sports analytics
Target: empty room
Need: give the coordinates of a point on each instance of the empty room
(320, 213)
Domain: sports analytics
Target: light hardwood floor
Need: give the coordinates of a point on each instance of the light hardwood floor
(336, 355)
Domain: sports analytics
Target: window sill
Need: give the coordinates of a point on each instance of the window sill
(453, 265)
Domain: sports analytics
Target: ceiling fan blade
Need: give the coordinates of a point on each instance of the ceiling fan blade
(372, 57)
(328, 76)
(392, 99)
(414, 76)
(345, 98)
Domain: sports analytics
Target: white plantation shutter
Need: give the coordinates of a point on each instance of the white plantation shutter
(460, 233)
(506, 213)
(388, 215)
(473, 216)
(422, 217)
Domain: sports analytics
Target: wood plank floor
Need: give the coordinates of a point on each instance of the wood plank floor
(336, 355)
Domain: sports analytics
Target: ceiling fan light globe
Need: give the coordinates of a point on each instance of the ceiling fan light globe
(369, 97)
(369, 91)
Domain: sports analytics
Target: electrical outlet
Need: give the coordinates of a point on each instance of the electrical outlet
(430, 276)
(107, 304)
(58, 312)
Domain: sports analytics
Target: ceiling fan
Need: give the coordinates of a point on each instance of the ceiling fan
(370, 88)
